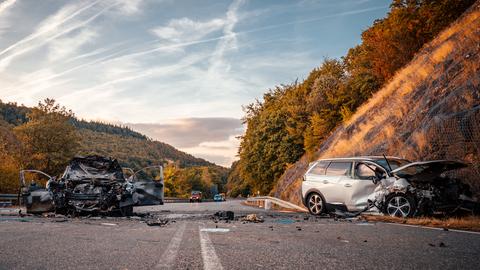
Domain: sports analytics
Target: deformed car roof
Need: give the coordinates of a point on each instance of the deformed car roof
(93, 167)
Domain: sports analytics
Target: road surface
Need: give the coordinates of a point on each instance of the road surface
(193, 240)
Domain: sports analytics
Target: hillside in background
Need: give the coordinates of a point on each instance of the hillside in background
(132, 149)
(429, 110)
(293, 121)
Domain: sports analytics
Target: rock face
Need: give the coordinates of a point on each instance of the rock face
(429, 110)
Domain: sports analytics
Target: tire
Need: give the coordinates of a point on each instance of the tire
(315, 204)
(399, 205)
(127, 211)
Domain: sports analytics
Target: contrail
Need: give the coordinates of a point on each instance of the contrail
(6, 4)
(39, 33)
(112, 57)
(168, 69)
(6, 61)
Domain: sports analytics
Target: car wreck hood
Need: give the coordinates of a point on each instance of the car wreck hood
(93, 167)
(427, 171)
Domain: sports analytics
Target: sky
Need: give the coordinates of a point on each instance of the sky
(177, 71)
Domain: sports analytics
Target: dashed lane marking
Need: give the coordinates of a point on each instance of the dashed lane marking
(210, 259)
(169, 255)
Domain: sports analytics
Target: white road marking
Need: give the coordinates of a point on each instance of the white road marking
(215, 230)
(169, 255)
(210, 259)
(432, 228)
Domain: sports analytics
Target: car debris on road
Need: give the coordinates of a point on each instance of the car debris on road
(253, 218)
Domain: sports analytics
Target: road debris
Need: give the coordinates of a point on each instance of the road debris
(157, 222)
(225, 215)
(253, 218)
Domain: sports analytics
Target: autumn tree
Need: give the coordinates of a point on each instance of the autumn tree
(49, 139)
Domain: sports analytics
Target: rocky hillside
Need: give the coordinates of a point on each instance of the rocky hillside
(429, 110)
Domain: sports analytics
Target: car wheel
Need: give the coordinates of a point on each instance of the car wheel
(315, 204)
(127, 211)
(399, 205)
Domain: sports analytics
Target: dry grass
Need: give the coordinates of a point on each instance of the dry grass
(470, 223)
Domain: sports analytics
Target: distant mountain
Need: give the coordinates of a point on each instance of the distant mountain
(131, 148)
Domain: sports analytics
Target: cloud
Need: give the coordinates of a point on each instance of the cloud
(63, 48)
(192, 132)
(214, 139)
(50, 29)
(5, 5)
(5, 8)
(185, 30)
(129, 7)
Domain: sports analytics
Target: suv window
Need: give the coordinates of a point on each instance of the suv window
(319, 168)
(339, 168)
(365, 172)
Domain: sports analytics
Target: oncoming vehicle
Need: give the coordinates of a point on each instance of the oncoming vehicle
(196, 196)
(219, 197)
(393, 185)
(91, 184)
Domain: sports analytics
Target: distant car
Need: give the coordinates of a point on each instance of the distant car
(394, 186)
(196, 196)
(219, 198)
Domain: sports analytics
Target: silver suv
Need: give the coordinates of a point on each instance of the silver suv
(345, 184)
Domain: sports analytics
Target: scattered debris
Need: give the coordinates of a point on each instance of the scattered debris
(157, 222)
(442, 244)
(299, 228)
(430, 244)
(253, 218)
(225, 215)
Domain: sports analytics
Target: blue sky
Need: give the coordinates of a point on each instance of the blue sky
(178, 71)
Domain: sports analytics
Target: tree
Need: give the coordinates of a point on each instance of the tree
(49, 139)
(9, 156)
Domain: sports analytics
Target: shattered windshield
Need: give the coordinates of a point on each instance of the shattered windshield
(394, 163)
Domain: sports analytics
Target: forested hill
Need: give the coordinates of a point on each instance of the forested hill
(293, 121)
(131, 148)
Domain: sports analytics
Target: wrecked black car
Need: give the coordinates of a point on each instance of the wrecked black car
(93, 185)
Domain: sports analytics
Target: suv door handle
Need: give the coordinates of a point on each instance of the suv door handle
(347, 185)
(325, 181)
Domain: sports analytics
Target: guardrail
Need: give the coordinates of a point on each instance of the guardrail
(8, 199)
(269, 200)
(182, 200)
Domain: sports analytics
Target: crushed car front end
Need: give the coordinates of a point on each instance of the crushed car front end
(424, 188)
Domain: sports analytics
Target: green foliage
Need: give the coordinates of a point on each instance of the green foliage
(295, 119)
(48, 139)
(10, 149)
(179, 182)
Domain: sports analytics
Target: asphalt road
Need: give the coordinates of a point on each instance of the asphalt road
(193, 240)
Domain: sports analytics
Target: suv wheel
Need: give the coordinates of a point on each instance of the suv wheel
(315, 204)
(399, 205)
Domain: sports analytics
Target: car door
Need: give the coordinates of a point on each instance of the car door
(361, 185)
(333, 188)
(148, 186)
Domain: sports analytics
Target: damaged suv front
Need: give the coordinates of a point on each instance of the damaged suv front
(423, 188)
